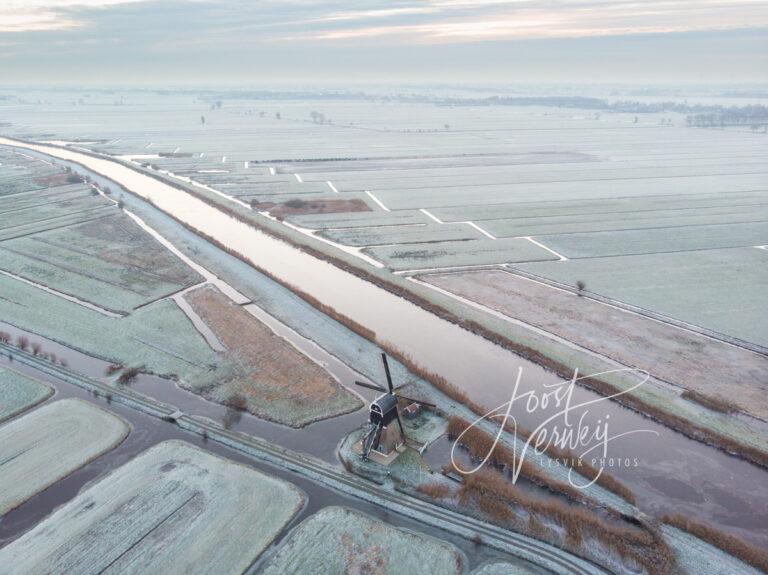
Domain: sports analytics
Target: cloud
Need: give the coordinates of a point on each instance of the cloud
(484, 20)
(52, 15)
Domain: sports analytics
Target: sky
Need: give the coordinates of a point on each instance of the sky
(263, 43)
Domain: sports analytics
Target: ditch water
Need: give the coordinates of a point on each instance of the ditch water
(668, 472)
(147, 431)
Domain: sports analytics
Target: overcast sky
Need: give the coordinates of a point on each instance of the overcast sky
(344, 42)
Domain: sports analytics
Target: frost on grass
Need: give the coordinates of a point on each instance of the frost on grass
(461, 253)
(339, 540)
(276, 381)
(18, 393)
(173, 509)
(110, 262)
(686, 359)
(697, 556)
(502, 569)
(50, 443)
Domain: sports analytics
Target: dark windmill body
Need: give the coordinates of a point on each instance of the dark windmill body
(385, 428)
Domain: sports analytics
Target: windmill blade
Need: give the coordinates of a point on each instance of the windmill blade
(386, 369)
(371, 386)
(420, 402)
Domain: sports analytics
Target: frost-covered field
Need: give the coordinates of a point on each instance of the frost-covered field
(18, 393)
(701, 558)
(688, 360)
(598, 186)
(466, 253)
(340, 540)
(722, 289)
(51, 442)
(502, 569)
(173, 509)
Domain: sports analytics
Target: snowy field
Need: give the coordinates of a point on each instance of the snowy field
(445, 183)
(340, 540)
(18, 393)
(143, 516)
(51, 442)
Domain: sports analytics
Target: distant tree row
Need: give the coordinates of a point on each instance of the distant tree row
(756, 117)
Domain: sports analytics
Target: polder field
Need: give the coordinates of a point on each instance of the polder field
(78, 269)
(641, 208)
(486, 207)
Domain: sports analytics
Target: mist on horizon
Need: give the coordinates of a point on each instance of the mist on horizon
(231, 42)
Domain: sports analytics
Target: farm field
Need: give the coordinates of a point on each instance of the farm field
(19, 393)
(107, 287)
(583, 184)
(462, 253)
(642, 209)
(340, 540)
(142, 516)
(275, 380)
(688, 360)
(75, 241)
(720, 289)
(51, 442)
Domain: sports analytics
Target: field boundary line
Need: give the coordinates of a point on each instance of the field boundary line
(530, 239)
(631, 308)
(378, 201)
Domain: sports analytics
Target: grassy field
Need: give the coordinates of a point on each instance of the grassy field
(276, 381)
(451, 254)
(597, 186)
(142, 517)
(719, 289)
(50, 443)
(502, 569)
(18, 393)
(340, 540)
(682, 358)
(701, 558)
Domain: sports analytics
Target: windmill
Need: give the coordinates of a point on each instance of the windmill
(382, 436)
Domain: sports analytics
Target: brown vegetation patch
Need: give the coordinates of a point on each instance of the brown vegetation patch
(479, 443)
(497, 498)
(710, 402)
(734, 546)
(297, 207)
(434, 490)
(274, 380)
(53, 180)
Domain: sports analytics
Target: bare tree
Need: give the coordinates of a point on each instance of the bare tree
(22, 342)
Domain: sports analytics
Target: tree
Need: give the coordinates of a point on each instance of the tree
(22, 342)
(202, 119)
(581, 285)
(447, 127)
(277, 115)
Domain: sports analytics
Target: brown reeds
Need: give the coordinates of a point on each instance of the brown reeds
(434, 490)
(714, 403)
(493, 494)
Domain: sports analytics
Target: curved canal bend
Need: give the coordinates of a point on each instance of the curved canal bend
(674, 474)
